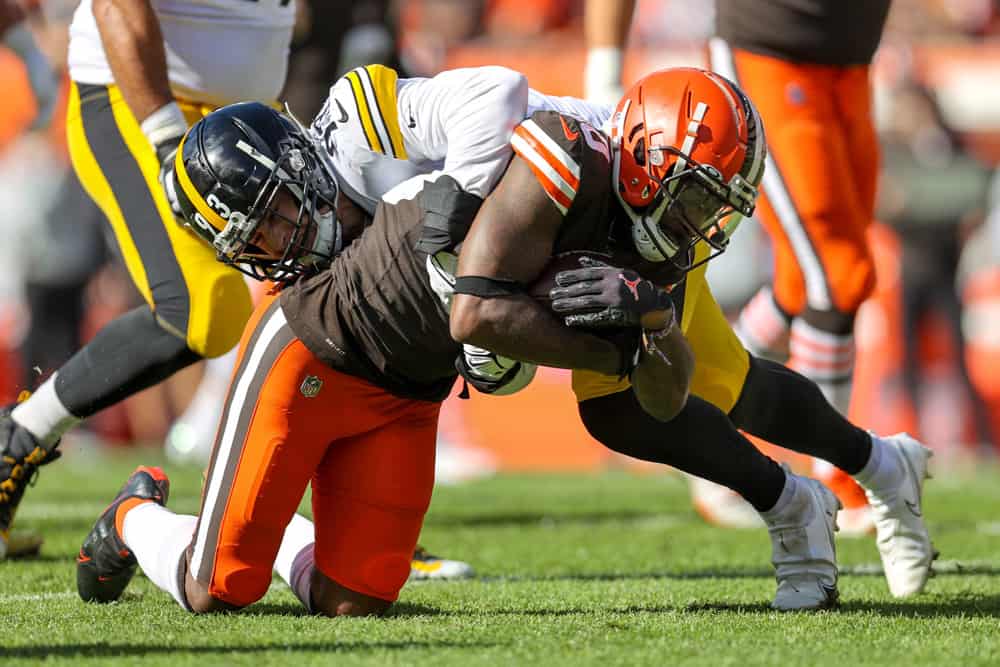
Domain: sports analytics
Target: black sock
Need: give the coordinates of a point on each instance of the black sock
(128, 355)
(700, 441)
(787, 409)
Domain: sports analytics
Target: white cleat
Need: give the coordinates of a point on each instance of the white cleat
(802, 549)
(903, 540)
(426, 566)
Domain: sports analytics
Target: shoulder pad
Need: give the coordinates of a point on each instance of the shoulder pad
(562, 152)
(362, 109)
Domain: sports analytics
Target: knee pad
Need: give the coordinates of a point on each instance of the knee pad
(368, 549)
(219, 312)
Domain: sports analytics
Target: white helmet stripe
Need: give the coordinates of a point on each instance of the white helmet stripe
(689, 138)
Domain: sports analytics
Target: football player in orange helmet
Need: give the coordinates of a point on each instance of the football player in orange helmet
(685, 173)
(687, 153)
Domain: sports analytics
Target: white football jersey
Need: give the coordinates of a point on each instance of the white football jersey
(380, 130)
(218, 51)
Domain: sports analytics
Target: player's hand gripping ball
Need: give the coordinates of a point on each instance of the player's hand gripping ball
(590, 292)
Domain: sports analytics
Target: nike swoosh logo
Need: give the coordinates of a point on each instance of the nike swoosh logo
(343, 113)
(912, 506)
(412, 123)
(572, 136)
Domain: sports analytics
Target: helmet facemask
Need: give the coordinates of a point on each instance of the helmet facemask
(691, 204)
(316, 236)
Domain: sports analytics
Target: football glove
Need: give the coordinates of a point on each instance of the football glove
(491, 373)
(600, 296)
(167, 152)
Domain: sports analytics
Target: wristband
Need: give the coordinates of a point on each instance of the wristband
(165, 123)
(650, 338)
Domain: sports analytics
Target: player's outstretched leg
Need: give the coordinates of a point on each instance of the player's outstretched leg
(783, 407)
(893, 480)
(20, 455)
(105, 564)
(803, 552)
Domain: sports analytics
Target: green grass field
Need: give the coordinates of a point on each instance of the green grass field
(608, 569)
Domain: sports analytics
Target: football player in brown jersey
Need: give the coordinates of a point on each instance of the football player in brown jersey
(811, 84)
(339, 382)
(341, 375)
(686, 154)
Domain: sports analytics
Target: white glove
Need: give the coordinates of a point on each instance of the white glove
(491, 368)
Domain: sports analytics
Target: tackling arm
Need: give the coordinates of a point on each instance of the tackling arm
(464, 118)
(512, 239)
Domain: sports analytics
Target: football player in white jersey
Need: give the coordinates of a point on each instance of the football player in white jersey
(142, 71)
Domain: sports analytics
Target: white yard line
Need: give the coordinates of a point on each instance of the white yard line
(37, 597)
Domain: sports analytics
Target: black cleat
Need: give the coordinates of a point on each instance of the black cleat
(20, 456)
(105, 565)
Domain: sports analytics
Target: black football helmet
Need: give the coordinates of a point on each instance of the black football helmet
(228, 171)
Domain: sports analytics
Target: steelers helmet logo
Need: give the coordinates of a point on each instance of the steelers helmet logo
(311, 386)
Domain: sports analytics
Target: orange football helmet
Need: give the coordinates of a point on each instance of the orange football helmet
(688, 157)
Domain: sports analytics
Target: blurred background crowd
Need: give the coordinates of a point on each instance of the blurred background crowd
(928, 341)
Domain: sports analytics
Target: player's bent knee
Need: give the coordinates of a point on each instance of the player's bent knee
(219, 313)
(853, 286)
(331, 599)
(200, 601)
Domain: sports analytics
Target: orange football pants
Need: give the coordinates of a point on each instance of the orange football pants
(819, 184)
(290, 420)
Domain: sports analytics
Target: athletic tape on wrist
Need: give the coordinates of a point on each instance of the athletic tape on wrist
(165, 123)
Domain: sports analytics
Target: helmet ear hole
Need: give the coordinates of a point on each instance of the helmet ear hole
(639, 152)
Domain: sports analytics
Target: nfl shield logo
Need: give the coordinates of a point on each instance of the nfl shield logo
(311, 386)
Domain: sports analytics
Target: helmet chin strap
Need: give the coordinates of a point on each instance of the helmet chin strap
(329, 239)
(647, 236)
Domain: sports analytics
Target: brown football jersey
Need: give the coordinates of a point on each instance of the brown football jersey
(572, 161)
(825, 32)
(375, 313)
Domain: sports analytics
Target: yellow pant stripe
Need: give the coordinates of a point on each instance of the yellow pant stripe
(217, 299)
(92, 178)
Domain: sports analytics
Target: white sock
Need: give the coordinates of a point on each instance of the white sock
(825, 358)
(44, 415)
(763, 329)
(785, 500)
(159, 538)
(295, 561)
(883, 470)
